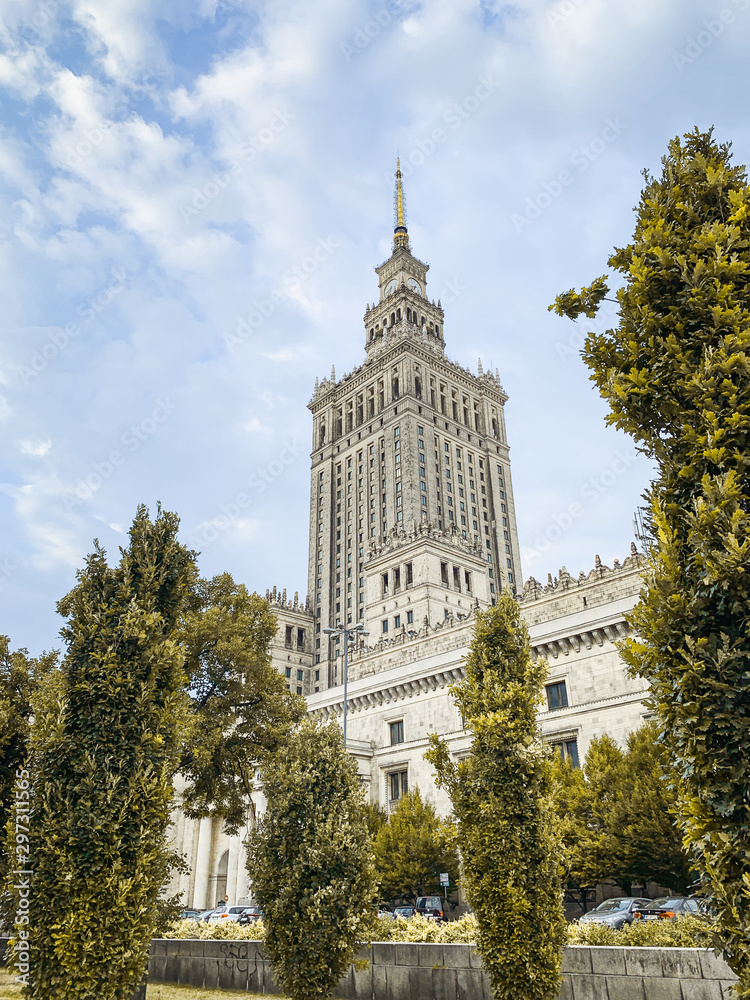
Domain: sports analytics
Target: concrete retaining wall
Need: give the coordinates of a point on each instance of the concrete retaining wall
(454, 971)
(450, 971)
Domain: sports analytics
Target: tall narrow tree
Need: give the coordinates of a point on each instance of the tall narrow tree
(676, 375)
(309, 861)
(102, 758)
(501, 800)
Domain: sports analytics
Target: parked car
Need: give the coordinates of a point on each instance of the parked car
(192, 914)
(383, 910)
(250, 915)
(226, 913)
(668, 909)
(404, 911)
(615, 912)
(432, 907)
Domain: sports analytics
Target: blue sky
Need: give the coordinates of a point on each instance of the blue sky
(166, 168)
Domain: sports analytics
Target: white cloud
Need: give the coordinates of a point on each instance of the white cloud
(36, 448)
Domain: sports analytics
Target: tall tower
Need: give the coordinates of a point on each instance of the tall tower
(411, 502)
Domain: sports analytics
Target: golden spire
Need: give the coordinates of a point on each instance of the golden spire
(400, 233)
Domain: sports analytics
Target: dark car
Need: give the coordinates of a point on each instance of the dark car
(250, 915)
(404, 911)
(431, 906)
(669, 909)
(191, 914)
(615, 912)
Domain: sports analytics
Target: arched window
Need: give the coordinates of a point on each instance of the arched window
(408, 314)
(398, 315)
(393, 318)
(220, 878)
(322, 434)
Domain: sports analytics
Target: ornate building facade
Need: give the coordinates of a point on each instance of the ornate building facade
(412, 531)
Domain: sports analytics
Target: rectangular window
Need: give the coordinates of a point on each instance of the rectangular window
(385, 625)
(299, 689)
(288, 637)
(557, 695)
(300, 638)
(300, 675)
(398, 783)
(317, 675)
(444, 574)
(409, 617)
(568, 750)
(397, 621)
(288, 671)
(397, 732)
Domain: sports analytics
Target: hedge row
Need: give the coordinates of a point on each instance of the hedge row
(686, 932)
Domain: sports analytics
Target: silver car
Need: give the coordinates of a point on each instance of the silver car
(615, 912)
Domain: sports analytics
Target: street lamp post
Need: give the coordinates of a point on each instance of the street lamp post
(358, 629)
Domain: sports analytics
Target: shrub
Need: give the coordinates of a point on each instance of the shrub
(309, 860)
(684, 932)
(501, 800)
(676, 375)
(103, 752)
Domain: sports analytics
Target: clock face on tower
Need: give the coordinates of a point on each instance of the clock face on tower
(390, 288)
(415, 286)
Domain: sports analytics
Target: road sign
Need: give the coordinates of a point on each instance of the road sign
(445, 878)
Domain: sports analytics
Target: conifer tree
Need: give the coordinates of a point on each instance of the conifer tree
(501, 801)
(676, 375)
(309, 861)
(616, 815)
(412, 849)
(103, 752)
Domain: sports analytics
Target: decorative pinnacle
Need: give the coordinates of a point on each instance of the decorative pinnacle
(400, 232)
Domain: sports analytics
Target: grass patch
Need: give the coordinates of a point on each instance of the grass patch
(157, 991)
(11, 990)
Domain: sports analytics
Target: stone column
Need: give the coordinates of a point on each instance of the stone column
(243, 880)
(202, 862)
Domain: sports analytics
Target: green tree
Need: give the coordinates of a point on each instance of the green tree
(412, 849)
(240, 706)
(584, 799)
(501, 801)
(676, 375)
(104, 746)
(375, 817)
(309, 861)
(646, 817)
(616, 816)
(19, 674)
